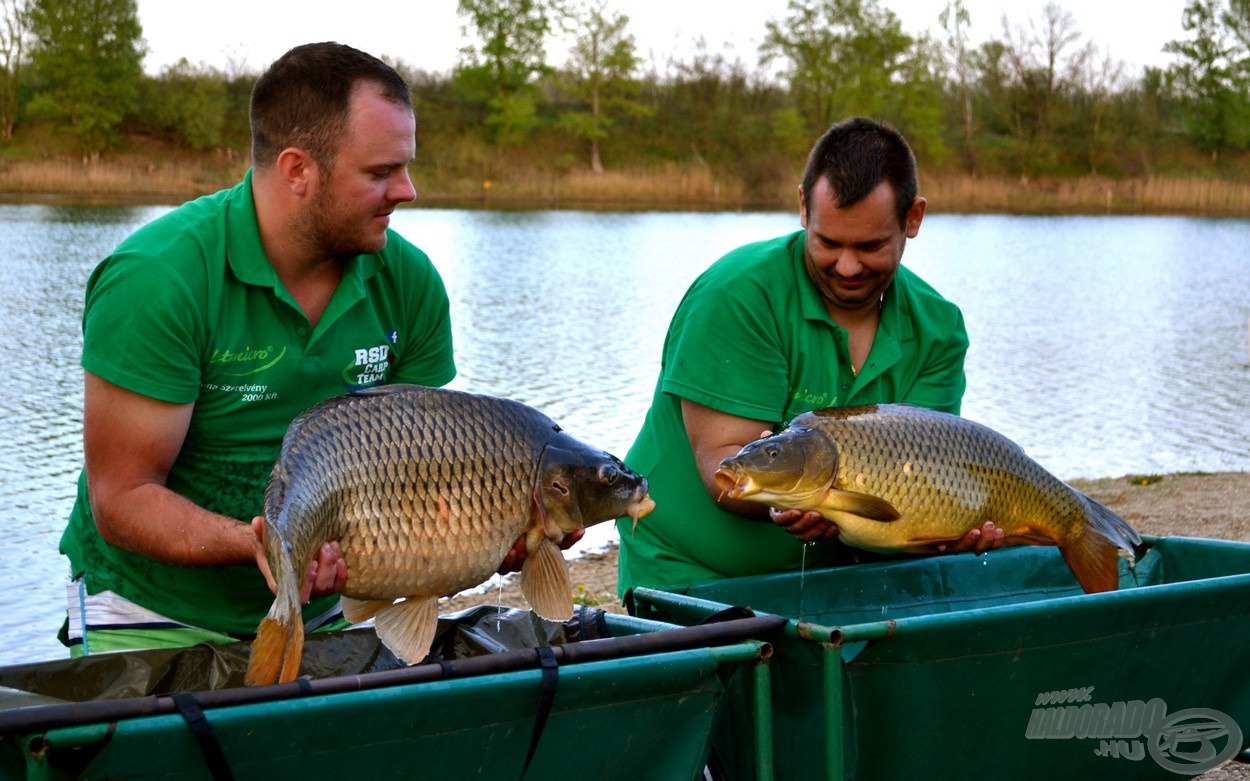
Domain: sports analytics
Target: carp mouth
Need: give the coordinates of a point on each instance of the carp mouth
(640, 507)
(732, 483)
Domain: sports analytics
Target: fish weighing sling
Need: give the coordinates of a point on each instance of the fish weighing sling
(426, 490)
(894, 477)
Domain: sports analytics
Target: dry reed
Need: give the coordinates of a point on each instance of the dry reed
(671, 186)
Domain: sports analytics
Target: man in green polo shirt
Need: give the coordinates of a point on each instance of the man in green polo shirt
(207, 331)
(825, 317)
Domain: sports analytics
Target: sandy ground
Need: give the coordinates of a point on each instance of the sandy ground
(1214, 506)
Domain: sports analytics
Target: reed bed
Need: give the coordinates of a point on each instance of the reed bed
(662, 186)
(1089, 195)
(116, 179)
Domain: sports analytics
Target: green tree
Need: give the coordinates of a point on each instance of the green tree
(955, 21)
(840, 57)
(1042, 71)
(188, 102)
(599, 74)
(1211, 81)
(13, 35)
(497, 70)
(1102, 80)
(86, 57)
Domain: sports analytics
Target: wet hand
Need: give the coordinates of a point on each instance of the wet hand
(516, 557)
(807, 525)
(327, 573)
(978, 539)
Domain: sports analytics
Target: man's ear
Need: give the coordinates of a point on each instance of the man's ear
(802, 207)
(914, 216)
(297, 169)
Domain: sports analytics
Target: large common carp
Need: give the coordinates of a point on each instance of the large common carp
(426, 490)
(894, 477)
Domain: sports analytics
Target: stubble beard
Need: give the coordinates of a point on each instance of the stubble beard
(327, 235)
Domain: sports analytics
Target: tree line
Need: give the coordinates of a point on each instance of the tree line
(1036, 100)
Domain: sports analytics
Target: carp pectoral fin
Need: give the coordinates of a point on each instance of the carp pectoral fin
(545, 582)
(1095, 561)
(863, 505)
(408, 627)
(276, 652)
(359, 610)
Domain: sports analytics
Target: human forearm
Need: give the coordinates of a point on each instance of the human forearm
(157, 523)
(715, 436)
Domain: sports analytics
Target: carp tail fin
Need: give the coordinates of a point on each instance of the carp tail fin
(1094, 555)
(276, 651)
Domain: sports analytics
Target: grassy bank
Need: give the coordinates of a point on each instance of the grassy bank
(172, 178)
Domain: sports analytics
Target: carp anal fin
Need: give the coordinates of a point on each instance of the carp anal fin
(407, 628)
(545, 582)
(866, 506)
(276, 652)
(1095, 561)
(359, 610)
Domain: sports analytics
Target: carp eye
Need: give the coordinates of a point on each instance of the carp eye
(772, 451)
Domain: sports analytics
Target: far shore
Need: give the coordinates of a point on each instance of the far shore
(133, 179)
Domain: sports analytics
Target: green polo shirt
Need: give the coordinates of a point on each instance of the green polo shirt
(189, 310)
(752, 338)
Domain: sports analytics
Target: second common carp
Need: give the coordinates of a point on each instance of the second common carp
(894, 477)
(426, 490)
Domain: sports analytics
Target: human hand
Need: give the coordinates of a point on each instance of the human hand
(327, 572)
(516, 556)
(807, 525)
(978, 539)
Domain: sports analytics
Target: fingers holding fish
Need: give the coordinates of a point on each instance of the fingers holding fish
(807, 525)
(327, 574)
(978, 539)
(517, 553)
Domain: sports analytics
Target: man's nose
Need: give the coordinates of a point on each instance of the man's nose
(402, 189)
(848, 263)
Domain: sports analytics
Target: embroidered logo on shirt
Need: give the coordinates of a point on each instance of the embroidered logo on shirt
(246, 361)
(369, 367)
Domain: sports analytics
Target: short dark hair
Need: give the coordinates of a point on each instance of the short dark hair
(856, 155)
(304, 99)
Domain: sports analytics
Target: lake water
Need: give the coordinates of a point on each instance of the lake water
(1103, 345)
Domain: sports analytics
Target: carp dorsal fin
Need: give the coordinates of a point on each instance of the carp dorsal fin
(359, 610)
(408, 627)
(867, 506)
(545, 581)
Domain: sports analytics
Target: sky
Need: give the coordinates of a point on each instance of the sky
(426, 34)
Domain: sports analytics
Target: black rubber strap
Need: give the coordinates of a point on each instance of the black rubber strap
(729, 614)
(214, 757)
(546, 696)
